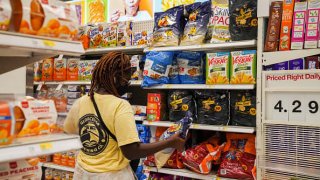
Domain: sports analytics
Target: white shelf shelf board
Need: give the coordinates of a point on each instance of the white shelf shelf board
(207, 47)
(203, 86)
(35, 146)
(132, 83)
(138, 49)
(56, 166)
(140, 118)
(238, 129)
(281, 56)
(62, 113)
(185, 173)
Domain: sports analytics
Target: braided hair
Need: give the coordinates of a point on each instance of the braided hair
(110, 73)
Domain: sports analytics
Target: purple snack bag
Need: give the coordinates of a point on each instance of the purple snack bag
(296, 64)
(268, 68)
(281, 66)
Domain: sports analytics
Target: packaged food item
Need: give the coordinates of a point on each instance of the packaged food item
(60, 99)
(168, 27)
(198, 18)
(174, 161)
(21, 169)
(96, 12)
(96, 36)
(109, 35)
(286, 25)
(57, 158)
(239, 156)
(312, 24)
(312, 62)
(243, 67)
(84, 36)
(124, 33)
(6, 122)
(217, 68)
(140, 38)
(181, 127)
(180, 102)
(174, 71)
(85, 69)
(139, 110)
(70, 176)
(48, 174)
(37, 71)
(281, 66)
(296, 64)
(299, 22)
(40, 116)
(45, 18)
(64, 159)
(136, 73)
(45, 158)
(47, 69)
(273, 30)
(243, 19)
(212, 107)
(268, 68)
(144, 133)
(57, 174)
(156, 176)
(60, 69)
(219, 22)
(156, 107)
(156, 68)
(5, 15)
(73, 69)
(243, 108)
(191, 67)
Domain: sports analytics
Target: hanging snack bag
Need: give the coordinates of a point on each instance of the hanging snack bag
(212, 107)
(136, 73)
(60, 69)
(168, 27)
(243, 67)
(219, 21)
(156, 68)
(243, 108)
(191, 67)
(243, 19)
(174, 71)
(217, 68)
(180, 102)
(181, 127)
(196, 27)
(47, 69)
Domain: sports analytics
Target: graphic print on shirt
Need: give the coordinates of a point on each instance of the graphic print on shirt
(93, 136)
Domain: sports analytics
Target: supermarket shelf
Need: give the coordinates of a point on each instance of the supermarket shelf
(132, 83)
(238, 129)
(203, 86)
(207, 47)
(185, 173)
(17, 50)
(140, 118)
(131, 49)
(136, 83)
(280, 56)
(62, 113)
(34, 146)
(59, 167)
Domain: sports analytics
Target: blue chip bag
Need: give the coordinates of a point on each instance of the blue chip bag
(156, 68)
(191, 67)
(144, 133)
(181, 127)
(174, 71)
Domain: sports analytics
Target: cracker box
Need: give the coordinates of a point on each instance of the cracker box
(45, 18)
(40, 116)
(60, 69)
(311, 62)
(124, 33)
(156, 107)
(299, 22)
(243, 67)
(47, 69)
(85, 69)
(312, 26)
(109, 35)
(286, 25)
(281, 66)
(296, 64)
(73, 69)
(5, 14)
(37, 71)
(217, 68)
(95, 36)
(140, 38)
(21, 169)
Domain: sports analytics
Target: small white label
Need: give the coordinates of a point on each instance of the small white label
(59, 86)
(39, 87)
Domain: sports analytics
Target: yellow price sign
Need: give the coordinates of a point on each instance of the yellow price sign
(218, 178)
(46, 146)
(49, 43)
(225, 128)
(195, 126)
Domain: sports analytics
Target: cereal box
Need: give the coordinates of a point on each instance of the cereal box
(312, 62)
(95, 35)
(312, 27)
(73, 69)
(47, 69)
(40, 116)
(21, 169)
(124, 33)
(299, 21)
(156, 107)
(243, 67)
(85, 69)
(286, 25)
(296, 64)
(109, 35)
(217, 68)
(60, 69)
(5, 14)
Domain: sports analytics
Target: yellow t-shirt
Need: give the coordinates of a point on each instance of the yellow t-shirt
(100, 152)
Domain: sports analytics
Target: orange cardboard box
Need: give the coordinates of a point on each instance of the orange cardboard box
(47, 70)
(60, 69)
(286, 25)
(73, 69)
(5, 123)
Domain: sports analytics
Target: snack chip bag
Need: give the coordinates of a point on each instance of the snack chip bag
(217, 68)
(243, 19)
(196, 27)
(180, 102)
(156, 68)
(243, 67)
(168, 27)
(174, 71)
(191, 67)
(136, 73)
(174, 162)
(181, 127)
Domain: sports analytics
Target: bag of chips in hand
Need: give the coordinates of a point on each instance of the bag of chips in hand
(174, 162)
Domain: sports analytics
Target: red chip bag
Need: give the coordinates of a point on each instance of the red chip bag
(174, 162)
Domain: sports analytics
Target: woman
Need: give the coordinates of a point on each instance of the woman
(106, 125)
(132, 13)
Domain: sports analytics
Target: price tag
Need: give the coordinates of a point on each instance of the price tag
(39, 87)
(224, 128)
(49, 43)
(59, 86)
(60, 57)
(275, 106)
(195, 126)
(46, 146)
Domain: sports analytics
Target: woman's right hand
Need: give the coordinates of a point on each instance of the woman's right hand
(177, 142)
(115, 16)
